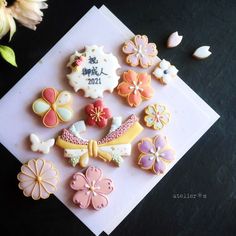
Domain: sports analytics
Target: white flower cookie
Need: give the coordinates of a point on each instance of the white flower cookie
(93, 71)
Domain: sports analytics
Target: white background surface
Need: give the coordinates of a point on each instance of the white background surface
(191, 117)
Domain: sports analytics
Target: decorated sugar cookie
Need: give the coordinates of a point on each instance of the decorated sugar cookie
(202, 52)
(38, 178)
(174, 40)
(97, 114)
(91, 188)
(53, 107)
(93, 71)
(136, 87)
(140, 52)
(38, 145)
(155, 153)
(156, 116)
(111, 148)
(165, 72)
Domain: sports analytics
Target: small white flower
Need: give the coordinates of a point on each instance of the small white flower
(164, 72)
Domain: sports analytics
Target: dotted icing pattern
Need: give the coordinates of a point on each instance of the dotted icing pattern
(69, 137)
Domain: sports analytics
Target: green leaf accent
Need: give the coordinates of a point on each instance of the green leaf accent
(117, 159)
(74, 161)
(8, 55)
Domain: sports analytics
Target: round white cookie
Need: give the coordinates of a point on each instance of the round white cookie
(93, 71)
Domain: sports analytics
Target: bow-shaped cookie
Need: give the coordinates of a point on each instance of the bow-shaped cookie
(110, 149)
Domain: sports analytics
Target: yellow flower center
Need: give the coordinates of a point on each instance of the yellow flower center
(97, 114)
(54, 106)
(38, 179)
(136, 87)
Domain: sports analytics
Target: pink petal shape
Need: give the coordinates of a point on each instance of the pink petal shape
(39, 164)
(147, 92)
(28, 171)
(90, 121)
(49, 94)
(124, 89)
(43, 192)
(27, 185)
(30, 166)
(89, 108)
(102, 123)
(93, 174)
(129, 47)
(174, 40)
(141, 40)
(105, 186)
(133, 59)
(49, 188)
(130, 76)
(151, 49)
(146, 161)
(24, 177)
(144, 78)
(159, 167)
(168, 155)
(145, 146)
(82, 198)
(160, 142)
(50, 119)
(36, 191)
(48, 171)
(78, 182)
(134, 99)
(27, 190)
(99, 103)
(145, 61)
(99, 201)
(107, 113)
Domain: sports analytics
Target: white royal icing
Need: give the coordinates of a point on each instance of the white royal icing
(202, 52)
(95, 73)
(78, 128)
(174, 40)
(38, 145)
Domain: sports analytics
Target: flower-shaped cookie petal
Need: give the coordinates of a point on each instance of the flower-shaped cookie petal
(164, 72)
(154, 154)
(140, 52)
(97, 114)
(135, 87)
(53, 107)
(156, 116)
(38, 179)
(91, 188)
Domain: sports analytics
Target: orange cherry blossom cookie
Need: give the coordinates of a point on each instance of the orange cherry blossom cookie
(135, 87)
(156, 116)
(140, 52)
(38, 179)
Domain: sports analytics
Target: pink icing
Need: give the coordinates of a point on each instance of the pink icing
(69, 137)
(49, 95)
(91, 188)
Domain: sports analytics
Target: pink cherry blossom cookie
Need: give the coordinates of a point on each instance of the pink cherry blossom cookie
(155, 154)
(91, 188)
(140, 52)
(38, 179)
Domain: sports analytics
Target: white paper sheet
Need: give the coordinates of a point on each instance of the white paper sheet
(191, 117)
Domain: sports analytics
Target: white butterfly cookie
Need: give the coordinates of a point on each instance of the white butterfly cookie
(38, 145)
